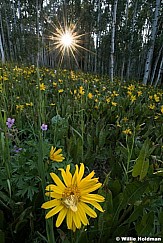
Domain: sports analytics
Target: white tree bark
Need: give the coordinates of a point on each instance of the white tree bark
(155, 65)
(150, 51)
(131, 42)
(98, 37)
(2, 50)
(125, 47)
(1, 43)
(113, 41)
(159, 72)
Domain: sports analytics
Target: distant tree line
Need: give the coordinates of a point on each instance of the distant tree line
(124, 38)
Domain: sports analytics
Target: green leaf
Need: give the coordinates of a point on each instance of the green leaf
(138, 212)
(142, 162)
(145, 227)
(134, 191)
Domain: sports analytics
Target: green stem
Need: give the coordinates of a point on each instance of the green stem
(41, 166)
(129, 152)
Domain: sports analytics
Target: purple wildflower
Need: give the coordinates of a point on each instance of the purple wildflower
(44, 127)
(10, 122)
(16, 149)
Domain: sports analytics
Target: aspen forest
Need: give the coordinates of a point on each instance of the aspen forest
(81, 121)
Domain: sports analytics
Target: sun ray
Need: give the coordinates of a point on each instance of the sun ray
(66, 41)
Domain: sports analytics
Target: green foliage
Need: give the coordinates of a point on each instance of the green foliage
(142, 162)
(120, 139)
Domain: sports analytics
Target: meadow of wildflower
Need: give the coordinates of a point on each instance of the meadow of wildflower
(81, 157)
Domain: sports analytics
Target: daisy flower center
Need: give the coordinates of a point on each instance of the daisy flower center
(71, 198)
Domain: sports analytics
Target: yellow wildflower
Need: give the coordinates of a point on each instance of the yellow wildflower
(29, 104)
(81, 90)
(108, 100)
(71, 198)
(114, 103)
(152, 106)
(125, 119)
(56, 155)
(156, 117)
(60, 91)
(54, 84)
(139, 93)
(114, 94)
(157, 98)
(133, 98)
(127, 131)
(129, 93)
(131, 87)
(42, 87)
(90, 95)
(20, 107)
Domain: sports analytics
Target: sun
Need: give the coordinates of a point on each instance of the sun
(66, 40)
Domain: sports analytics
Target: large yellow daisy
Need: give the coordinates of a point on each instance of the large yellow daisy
(70, 198)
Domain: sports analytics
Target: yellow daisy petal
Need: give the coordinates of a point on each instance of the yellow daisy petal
(69, 175)
(88, 177)
(57, 181)
(61, 216)
(51, 204)
(73, 227)
(58, 151)
(76, 220)
(65, 177)
(75, 176)
(94, 197)
(81, 172)
(56, 189)
(54, 211)
(69, 219)
(82, 215)
(53, 195)
(88, 210)
(94, 204)
(93, 188)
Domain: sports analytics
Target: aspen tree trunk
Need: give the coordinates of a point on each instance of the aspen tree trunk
(1, 44)
(155, 65)
(98, 37)
(131, 42)
(10, 52)
(159, 72)
(113, 41)
(124, 53)
(147, 70)
(2, 50)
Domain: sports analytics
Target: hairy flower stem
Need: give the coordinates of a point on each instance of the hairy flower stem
(82, 129)
(41, 167)
(129, 154)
